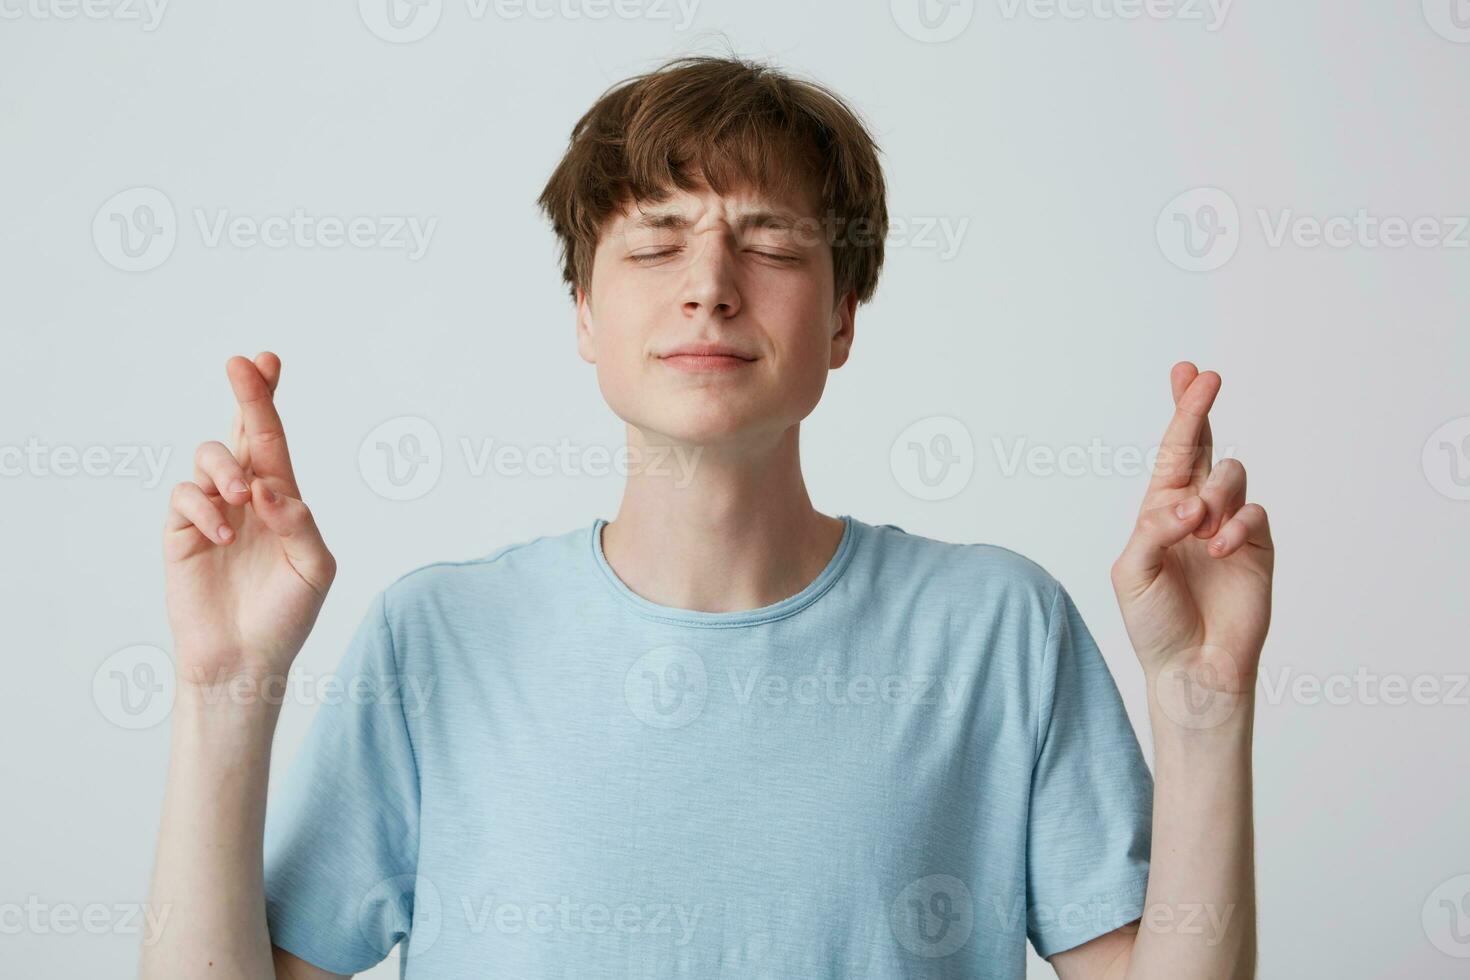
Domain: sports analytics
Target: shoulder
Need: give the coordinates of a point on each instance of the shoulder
(975, 575)
(993, 609)
(506, 576)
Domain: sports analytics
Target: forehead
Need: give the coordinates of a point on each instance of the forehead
(745, 206)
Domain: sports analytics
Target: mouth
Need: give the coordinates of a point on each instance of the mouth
(706, 362)
(706, 357)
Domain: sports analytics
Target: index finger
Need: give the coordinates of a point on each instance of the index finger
(1184, 372)
(264, 434)
(1184, 453)
(270, 369)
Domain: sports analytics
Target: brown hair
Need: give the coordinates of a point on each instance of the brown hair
(728, 122)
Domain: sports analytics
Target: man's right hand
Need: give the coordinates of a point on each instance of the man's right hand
(246, 569)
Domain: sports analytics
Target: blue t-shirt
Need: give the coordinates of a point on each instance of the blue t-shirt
(529, 771)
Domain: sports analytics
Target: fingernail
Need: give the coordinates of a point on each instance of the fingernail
(239, 487)
(1186, 507)
(1218, 544)
(226, 532)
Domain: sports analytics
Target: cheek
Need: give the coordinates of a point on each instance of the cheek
(618, 343)
(807, 319)
(808, 353)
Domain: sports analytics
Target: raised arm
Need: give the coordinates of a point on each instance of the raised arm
(1194, 587)
(245, 572)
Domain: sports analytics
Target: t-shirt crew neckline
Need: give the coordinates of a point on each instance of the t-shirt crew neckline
(744, 617)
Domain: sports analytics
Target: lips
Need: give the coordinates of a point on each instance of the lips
(705, 359)
(707, 350)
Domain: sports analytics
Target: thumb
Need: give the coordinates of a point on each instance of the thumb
(1158, 530)
(291, 521)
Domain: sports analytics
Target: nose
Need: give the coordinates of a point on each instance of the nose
(710, 284)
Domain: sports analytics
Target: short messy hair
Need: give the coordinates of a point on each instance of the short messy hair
(726, 122)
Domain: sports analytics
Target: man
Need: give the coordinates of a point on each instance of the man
(723, 734)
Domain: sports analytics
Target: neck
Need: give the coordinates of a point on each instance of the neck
(717, 528)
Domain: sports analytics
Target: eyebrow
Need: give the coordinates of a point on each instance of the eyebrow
(671, 219)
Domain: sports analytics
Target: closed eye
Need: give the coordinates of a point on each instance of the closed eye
(650, 256)
(646, 257)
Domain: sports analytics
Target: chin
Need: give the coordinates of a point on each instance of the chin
(689, 419)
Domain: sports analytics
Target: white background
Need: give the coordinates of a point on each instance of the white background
(1054, 142)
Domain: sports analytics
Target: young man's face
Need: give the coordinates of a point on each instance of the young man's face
(742, 276)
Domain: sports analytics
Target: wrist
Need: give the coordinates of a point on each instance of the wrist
(245, 697)
(1203, 726)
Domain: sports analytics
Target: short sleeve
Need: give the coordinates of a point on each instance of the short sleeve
(341, 831)
(1089, 823)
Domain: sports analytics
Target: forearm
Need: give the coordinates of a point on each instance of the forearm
(208, 873)
(1199, 917)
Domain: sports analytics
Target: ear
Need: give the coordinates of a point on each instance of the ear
(842, 327)
(586, 338)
